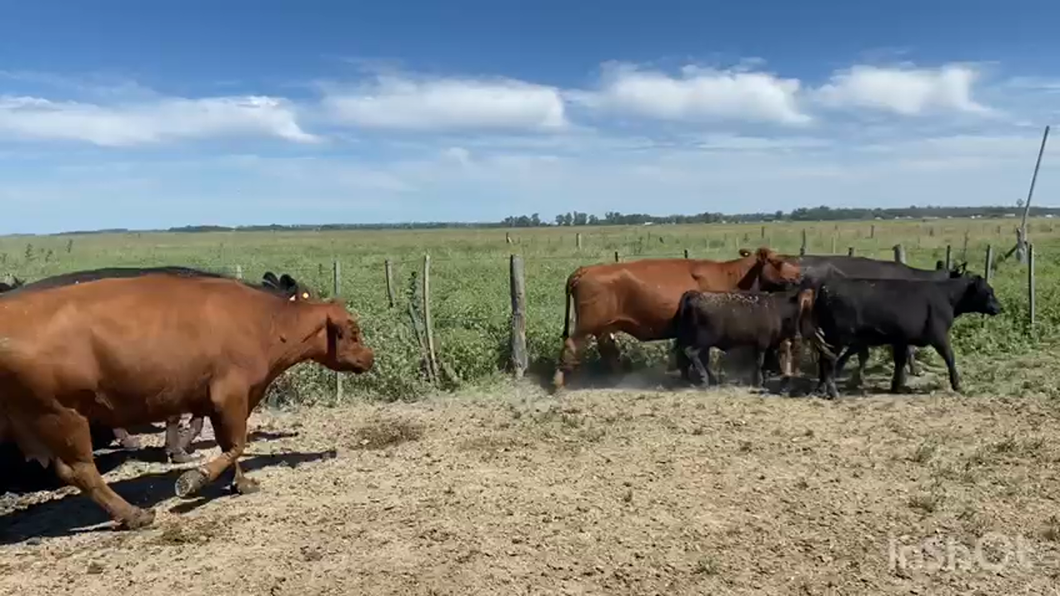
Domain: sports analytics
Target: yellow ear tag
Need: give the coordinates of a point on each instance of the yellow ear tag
(305, 295)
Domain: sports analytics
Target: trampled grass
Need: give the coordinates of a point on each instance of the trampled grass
(470, 284)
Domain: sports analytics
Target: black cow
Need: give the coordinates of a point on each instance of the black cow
(7, 287)
(816, 268)
(895, 312)
(725, 320)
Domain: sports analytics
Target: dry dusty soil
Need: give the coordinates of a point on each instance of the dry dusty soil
(602, 492)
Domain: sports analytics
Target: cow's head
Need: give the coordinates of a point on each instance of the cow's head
(775, 272)
(15, 283)
(286, 286)
(346, 351)
(979, 297)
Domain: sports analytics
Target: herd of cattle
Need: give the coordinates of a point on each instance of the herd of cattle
(86, 355)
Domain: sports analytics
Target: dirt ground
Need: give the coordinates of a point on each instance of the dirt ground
(601, 492)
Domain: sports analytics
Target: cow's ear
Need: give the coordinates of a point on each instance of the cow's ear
(270, 278)
(287, 282)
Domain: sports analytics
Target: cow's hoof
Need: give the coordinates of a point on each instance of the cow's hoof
(141, 518)
(183, 457)
(189, 483)
(246, 486)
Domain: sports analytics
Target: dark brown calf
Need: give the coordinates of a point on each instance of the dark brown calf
(641, 297)
(135, 350)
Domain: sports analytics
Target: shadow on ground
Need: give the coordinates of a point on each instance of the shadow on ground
(19, 476)
(75, 513)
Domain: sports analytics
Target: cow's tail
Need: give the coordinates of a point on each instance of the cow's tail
(811, 301)
(572, 284)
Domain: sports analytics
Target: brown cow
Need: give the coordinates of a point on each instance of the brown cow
(178, 446)
(134, 350)
(641, 297)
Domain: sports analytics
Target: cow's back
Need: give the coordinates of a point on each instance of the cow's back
(824, 266)
(639, 298)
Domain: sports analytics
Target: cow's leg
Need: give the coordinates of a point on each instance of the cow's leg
(66, 434)
(127, 441)
(704, 371)
(912, 361)
(863, 361)
(608, 347)
(194, 429)
(826, 366)
(568, 359)
(787, 362)
(175, 448)
(758, 379)
(898, 379)
(229, 418)
(942, 346)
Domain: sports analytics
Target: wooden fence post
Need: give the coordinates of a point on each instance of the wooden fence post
(833, 243)
(518, 289)
(578, 240)
(432, 363)
(850, 251)
(616, 256)
(1030, 285)
(899, 254)
(802, 247)
(989, 266)
(507, 238)
(388, 270)
(949, 257)
(336, 282)
(686, 253)
(239, 272)
(763, 231)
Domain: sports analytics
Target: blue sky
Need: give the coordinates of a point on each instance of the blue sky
(132, 114)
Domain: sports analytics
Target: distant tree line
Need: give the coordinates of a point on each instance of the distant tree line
(614, 218)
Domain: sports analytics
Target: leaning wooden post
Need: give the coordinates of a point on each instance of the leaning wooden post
(899, 254)
(388, 270)
(432, 363)
(1030, 285)
(988, 268)
(518, 338)
(336, 282)
(616, 256)
(949, 257)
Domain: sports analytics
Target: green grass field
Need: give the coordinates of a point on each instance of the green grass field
(470, 288)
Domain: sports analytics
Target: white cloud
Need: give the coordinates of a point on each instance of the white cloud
(698, 94)
(907, 91)
(404, 103)
(164, 119)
